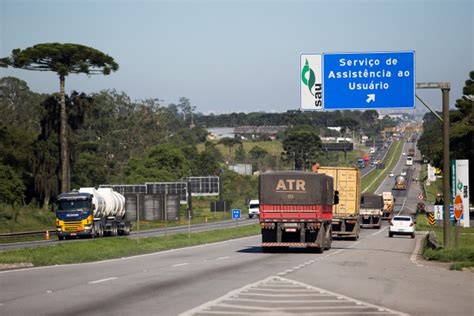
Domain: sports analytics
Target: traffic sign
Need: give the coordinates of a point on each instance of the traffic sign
(438, 212)
(369, 80)
(374, 80)
(236, 213)
(458, 207)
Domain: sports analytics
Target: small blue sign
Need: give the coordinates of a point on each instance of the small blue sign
(236, 213)
(369, 80)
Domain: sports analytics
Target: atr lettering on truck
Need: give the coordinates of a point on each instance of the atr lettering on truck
(292, 185)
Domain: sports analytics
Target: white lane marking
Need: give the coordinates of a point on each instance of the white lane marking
(180, 264)
(403, 205)
(102, 280)
(229, 301)
(132, 257)
(222, 258)
(379, 232)
(414, 255)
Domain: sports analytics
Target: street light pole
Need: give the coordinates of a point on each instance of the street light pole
(446, 163)
(445, 87)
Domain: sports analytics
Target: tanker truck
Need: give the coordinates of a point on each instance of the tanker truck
(296, 210)
(400, 183)
(90, 212)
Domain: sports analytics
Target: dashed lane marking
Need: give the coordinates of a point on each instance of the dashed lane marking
(279, 296)
(180, 264)
(102, 280)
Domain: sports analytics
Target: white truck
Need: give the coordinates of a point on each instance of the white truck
(90, 212)
(371, 210)
(254, 208)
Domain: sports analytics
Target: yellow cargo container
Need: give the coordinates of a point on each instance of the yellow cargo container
(346, 220)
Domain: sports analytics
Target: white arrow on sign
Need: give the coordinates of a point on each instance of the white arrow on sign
(371, 98)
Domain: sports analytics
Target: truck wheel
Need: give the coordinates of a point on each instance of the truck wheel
(60, 237)
(126, 230)
(390, 234)
(413, 235)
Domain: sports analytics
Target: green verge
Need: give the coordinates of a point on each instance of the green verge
(373, 179)
(460, 257)
(110, 248)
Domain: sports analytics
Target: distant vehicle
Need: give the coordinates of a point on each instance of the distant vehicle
(411, 152)
(403, 173)
(254, 208)
(409, 161)
(400, 183)
(371, 210)
(391, 175)
(402, 225)
(360, 163)
(404, 154)
(372, 150)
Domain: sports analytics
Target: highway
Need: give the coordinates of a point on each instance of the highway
(375, 275)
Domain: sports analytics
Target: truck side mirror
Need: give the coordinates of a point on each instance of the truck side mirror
(336, 197)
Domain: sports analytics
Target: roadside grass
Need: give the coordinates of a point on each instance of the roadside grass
(24, 218)
(110, 248)
(373, 179)
(460, 257)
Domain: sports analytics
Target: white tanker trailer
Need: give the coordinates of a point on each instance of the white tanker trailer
(91, 212)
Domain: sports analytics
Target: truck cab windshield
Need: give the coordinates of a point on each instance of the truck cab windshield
(73, 206)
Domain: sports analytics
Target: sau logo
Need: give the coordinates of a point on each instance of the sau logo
(311, 82)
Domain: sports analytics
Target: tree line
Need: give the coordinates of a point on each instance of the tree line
(461, 136)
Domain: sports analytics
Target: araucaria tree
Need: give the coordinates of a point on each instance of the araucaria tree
(64, 59)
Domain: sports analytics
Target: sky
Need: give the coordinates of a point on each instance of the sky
(238, 56)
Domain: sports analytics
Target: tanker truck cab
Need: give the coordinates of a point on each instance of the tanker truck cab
(74, 215)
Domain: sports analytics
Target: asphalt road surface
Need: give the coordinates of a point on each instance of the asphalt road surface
(375, 275)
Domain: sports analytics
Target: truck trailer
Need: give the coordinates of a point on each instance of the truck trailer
(346, 219)
(88, 212)
(371, 210)
(296, 210)
(388, 203)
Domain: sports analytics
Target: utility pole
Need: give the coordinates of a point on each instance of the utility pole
(445, 87)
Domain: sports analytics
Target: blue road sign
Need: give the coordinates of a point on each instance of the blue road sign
(369, 80)
(236, 213)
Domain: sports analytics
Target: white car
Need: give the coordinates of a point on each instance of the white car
(403, 173)
(402, 225)
(391, 174)
(254, 208)
(403, 154)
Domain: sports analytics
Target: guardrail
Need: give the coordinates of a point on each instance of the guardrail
(32, 233)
